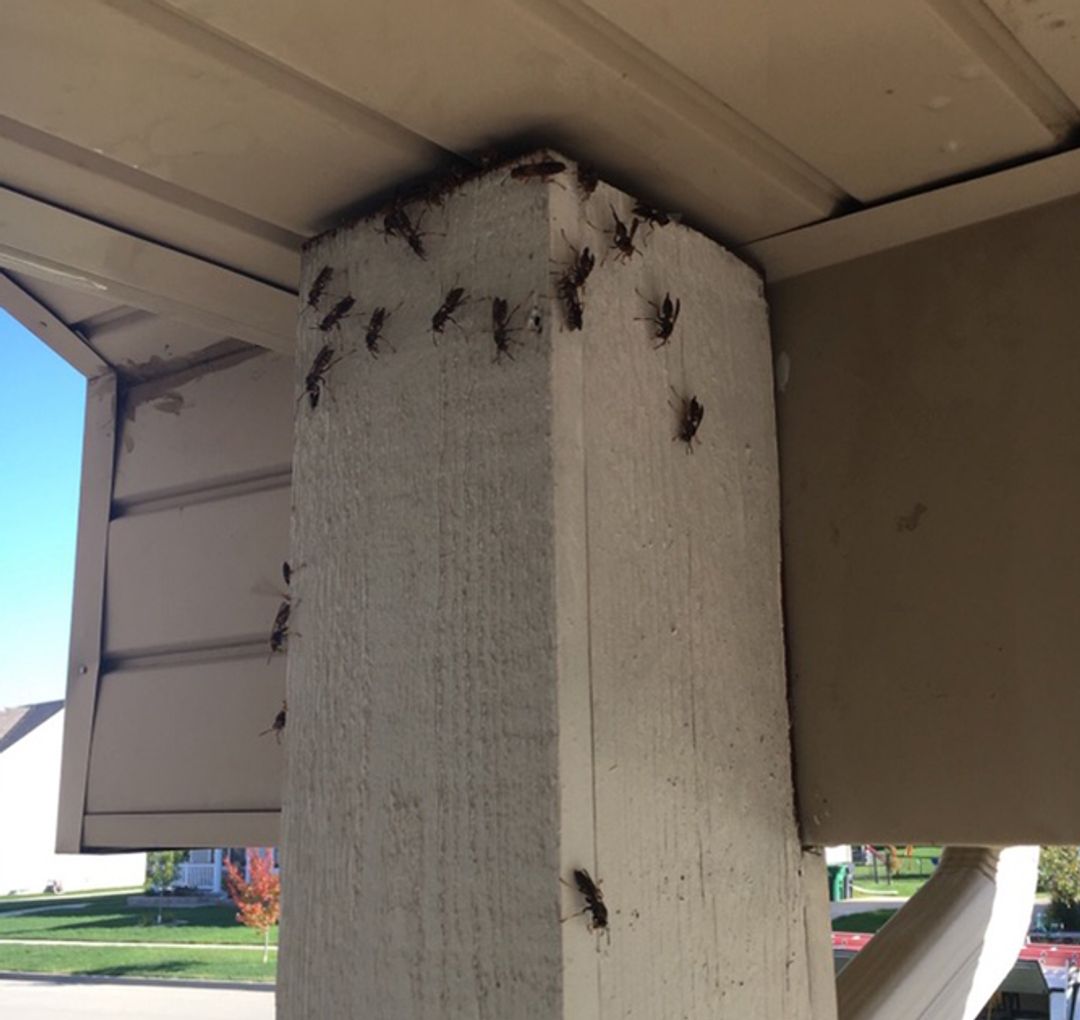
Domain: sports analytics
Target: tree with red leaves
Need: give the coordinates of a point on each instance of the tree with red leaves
(257, 898)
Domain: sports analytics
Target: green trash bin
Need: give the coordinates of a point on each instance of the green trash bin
(837, 882)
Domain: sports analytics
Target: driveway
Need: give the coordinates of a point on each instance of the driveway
(41, 997)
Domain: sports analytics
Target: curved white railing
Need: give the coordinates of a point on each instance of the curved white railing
(949, 948)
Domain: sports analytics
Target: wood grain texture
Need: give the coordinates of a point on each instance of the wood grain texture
(695, 839)
(537, 635)
(422, 772)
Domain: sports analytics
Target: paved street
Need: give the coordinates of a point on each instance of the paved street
(39, 997)
(845, 907)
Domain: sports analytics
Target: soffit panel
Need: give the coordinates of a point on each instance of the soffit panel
(1050, 31)
(881, 97)
(45, 167)
(230, 131)
(65, 303)
(467, 76)
(121, 88)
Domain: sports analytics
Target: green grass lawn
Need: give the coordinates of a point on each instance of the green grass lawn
(913, 873)
(201, 964)
(109, 919)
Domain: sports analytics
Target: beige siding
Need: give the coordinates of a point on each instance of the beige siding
(929, 448)
(199, 531)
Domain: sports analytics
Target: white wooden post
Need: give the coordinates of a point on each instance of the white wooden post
(535, 632)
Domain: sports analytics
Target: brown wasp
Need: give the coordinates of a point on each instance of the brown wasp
(445, 312)
(594, 900)
(373, 334)
(575, 310)
(396, 223)
(501, 328)
(319, 285)
(666, 314)
(571, 283)
(545, 169)
(587, 178)
(279, 633)
(622, 238)
(691, 411)
(654, 217)
(580, 268)
(278, 725)
(316, 377)
(340, 311)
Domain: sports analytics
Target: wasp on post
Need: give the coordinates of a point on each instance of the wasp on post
(501, 328)
(277, 727)
(665, 315)
(690, 411)
(455, 297)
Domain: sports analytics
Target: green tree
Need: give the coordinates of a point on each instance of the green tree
(1059, 875)
(161, 868)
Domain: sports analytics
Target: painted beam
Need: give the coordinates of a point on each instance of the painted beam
(50, 329)
(164, 830)
(44, 241)
(906, 220)
(84, 654)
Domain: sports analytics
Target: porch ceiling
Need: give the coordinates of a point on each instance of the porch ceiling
(224, 134)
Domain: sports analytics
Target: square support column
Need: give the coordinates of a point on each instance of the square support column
(534, 631)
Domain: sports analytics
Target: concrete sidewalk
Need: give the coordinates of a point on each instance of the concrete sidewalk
(57, 997)
(43, 910)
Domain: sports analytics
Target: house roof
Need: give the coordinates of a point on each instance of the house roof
(16, 723)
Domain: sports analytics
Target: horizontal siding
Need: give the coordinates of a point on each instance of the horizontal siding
(198, 532)
(186, 739)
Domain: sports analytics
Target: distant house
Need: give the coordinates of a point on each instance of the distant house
(30, 742)
(202, 870)
(205, 869)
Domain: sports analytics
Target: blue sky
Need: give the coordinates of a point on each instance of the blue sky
(41, 424)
